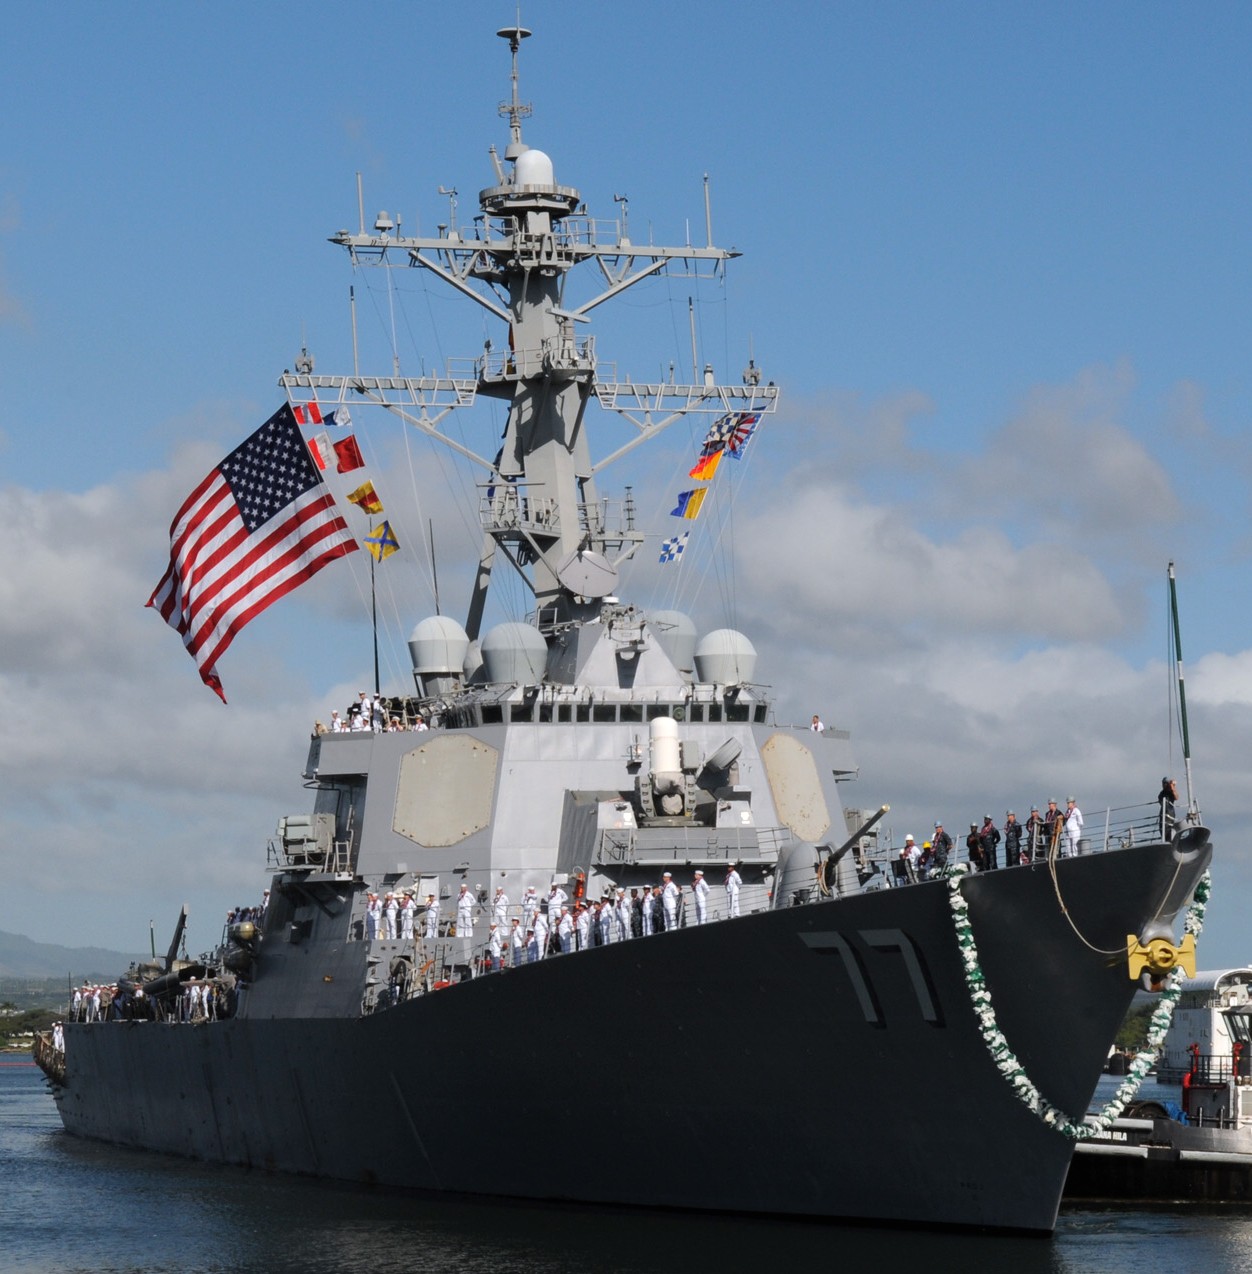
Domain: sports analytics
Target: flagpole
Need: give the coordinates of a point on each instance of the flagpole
(1192, 808)
(374, 613)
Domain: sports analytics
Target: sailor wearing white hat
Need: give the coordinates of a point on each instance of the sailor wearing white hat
(733, 883)
(540, 930)
(621, 910)
(530, 905)
(465, 913)
(669, 899)
(565, 931)
(700, 892)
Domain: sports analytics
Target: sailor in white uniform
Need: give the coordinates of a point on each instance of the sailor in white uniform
(495, 946)
(583, 925)
(540, 930)
(557, 898)
(622, 913)
(669, 899)
(606, 923)
(373, 914)
(501, 905)
(465, 913)
(1073, 828)
(391, 909)
(432, 917)
(517, 944)
(565, 931)
(530, 905)
(733, 881)
(648, 905)
(408, 909)
(700, 892)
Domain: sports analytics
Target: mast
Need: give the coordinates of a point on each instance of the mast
(539, 509)
(1192, 809)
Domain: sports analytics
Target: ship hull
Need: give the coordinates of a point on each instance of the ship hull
(818, 1061)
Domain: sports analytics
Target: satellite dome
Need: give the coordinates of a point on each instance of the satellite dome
(437, 648)
(725, 657)
(533, 168)
(515, 653)
(438, 645)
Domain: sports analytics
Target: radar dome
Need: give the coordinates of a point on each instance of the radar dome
(515, 653)
(725, 657)
(533, 168)
(675, 633)
(437, 648)
(438, 644)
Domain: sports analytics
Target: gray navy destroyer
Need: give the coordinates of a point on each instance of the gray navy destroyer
(814, 1049)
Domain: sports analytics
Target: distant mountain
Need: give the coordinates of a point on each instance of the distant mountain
(22, 957)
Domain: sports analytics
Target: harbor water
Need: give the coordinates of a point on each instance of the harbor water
(71, 1205)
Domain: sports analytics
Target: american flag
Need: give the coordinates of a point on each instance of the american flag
(258, 526)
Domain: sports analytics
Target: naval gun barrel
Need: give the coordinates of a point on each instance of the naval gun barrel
(169, 982)
(860, 831)
(827, 870)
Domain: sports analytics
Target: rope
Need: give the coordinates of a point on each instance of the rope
(1069, 920)
(998, 1046)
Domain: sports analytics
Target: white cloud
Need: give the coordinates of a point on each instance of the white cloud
(977, 671)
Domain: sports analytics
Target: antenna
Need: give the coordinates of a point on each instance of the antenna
(450, 191)
(624, 200)
(434, 566)
(691, 320)
(356, 350)
(515, 110)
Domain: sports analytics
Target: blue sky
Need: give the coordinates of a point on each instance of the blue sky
(996, 255)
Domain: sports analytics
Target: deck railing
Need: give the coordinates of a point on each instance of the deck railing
(1115, 827)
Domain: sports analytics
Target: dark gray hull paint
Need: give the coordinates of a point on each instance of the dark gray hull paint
(730, 1067)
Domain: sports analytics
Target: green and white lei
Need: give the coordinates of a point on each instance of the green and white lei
(998, 1045)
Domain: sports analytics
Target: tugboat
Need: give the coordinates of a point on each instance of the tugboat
(1198, 1149)
(369, 1025)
